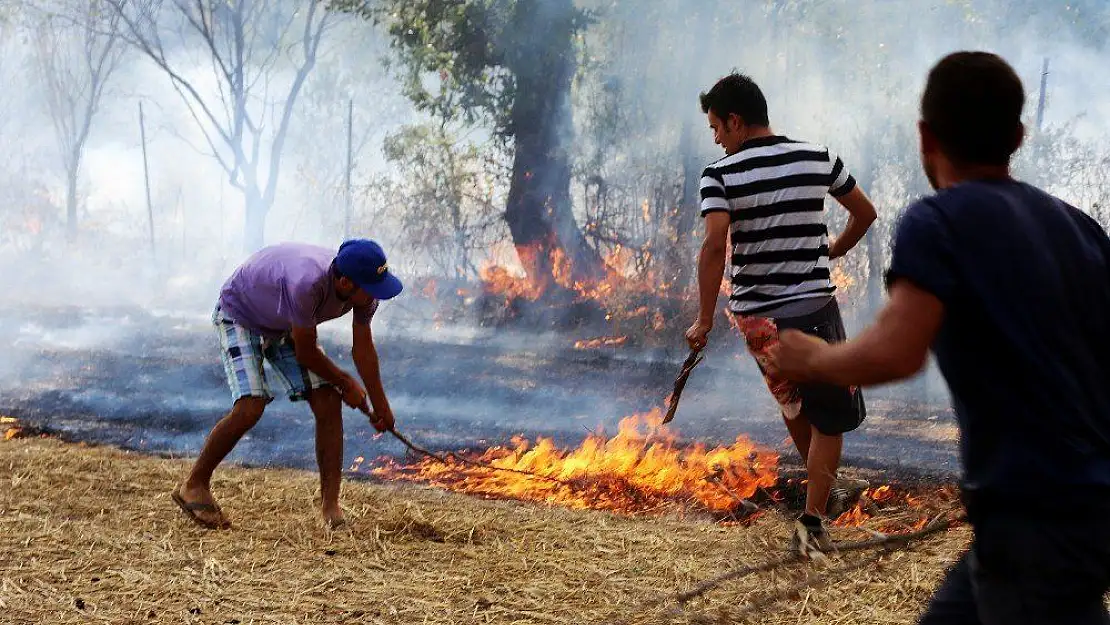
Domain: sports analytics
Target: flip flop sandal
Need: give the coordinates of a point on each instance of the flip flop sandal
(191, 510)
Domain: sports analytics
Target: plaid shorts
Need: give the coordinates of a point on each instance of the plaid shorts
(243, 353)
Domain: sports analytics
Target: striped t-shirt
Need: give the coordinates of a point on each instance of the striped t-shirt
(774, 191)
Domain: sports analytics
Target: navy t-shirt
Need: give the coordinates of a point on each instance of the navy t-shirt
(1025, 342)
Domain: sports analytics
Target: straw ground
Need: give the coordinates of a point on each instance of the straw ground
(89, 534)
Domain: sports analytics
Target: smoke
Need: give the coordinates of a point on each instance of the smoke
(109, 310)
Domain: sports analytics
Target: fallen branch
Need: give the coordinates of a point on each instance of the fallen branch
(898, 540)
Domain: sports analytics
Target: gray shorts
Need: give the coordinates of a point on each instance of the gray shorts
(829, 408)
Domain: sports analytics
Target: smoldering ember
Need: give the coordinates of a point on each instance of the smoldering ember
(408, 311)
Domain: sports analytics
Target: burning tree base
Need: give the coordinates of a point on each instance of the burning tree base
(642, 470)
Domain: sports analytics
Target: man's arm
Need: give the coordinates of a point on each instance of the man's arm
(366, 361)
(861, 214)
(310, 356)
(711, 270)
(894, 347)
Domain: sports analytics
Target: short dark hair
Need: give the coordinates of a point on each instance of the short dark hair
(972, 104)
(736, 93)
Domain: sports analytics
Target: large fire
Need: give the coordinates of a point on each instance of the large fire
(639, 469)
(516, 283)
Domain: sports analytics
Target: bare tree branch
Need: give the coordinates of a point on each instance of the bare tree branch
(242, 40)
(78, 49)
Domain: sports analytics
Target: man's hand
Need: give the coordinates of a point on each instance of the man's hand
(698, 334)
(382, 421)
(793, 358)
(353, 393)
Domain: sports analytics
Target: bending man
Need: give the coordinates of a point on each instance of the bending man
(268, 310)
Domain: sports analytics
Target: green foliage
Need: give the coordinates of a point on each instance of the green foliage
(446, 195)
(460, 59)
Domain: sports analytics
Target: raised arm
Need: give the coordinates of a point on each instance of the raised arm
(894, 347)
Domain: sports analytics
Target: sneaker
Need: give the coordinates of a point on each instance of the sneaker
(810, 539)
(845, 493)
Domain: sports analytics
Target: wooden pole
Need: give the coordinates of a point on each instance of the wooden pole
(350, 149)
(146, 176)
(1044, 91)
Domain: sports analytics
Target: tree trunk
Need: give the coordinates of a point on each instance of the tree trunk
(689, 210)
(71, 201)
(539, 211)
(254, 226)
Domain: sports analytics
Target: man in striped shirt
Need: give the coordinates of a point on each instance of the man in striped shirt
(768, 195)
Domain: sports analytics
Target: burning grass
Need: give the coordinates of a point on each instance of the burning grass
(89, 534)
(644, 470)
(641, 468)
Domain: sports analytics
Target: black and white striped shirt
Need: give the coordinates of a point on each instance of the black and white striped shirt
(774, 190)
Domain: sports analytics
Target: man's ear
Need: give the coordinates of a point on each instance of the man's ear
(345, 283)
(929, 143)
(1020, 137)
(735, 122)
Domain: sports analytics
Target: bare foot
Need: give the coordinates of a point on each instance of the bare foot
(198, 503)
(334, 519)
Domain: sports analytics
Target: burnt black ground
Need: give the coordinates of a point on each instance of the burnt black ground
(154, 382)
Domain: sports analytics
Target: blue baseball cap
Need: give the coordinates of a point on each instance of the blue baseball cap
(363, 261)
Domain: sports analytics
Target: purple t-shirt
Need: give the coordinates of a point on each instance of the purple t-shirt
(286, 285)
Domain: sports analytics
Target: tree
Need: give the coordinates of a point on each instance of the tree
(510, 63)
(76, 51)
(446, 196)
(245, 120)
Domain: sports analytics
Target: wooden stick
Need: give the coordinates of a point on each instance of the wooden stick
(692, 361)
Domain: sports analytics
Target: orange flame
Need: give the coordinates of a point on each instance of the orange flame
(887, 498)
(639, 469)
(601, 341)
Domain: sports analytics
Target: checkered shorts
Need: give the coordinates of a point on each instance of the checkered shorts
(243, 353)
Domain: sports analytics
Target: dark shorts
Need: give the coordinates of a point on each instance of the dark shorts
(1028, 571)
(831, 409)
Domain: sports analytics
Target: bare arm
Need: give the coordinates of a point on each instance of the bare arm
(366, 361)
(310, 356)
(711, 269)
(861, 214)
(894, 347)
(711, 264)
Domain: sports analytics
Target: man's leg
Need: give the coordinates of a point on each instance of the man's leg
(241, 354)
(954, 602)
(197, 487)
(1041, 571)
(831, 411)
(821, 466)
(800, 432)
(327, 407)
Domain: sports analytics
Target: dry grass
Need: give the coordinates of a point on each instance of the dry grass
(89, 534)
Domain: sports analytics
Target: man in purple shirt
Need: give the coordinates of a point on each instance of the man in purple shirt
(268, 310)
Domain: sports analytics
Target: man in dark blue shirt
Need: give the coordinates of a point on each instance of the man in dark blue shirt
(1010, 287)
